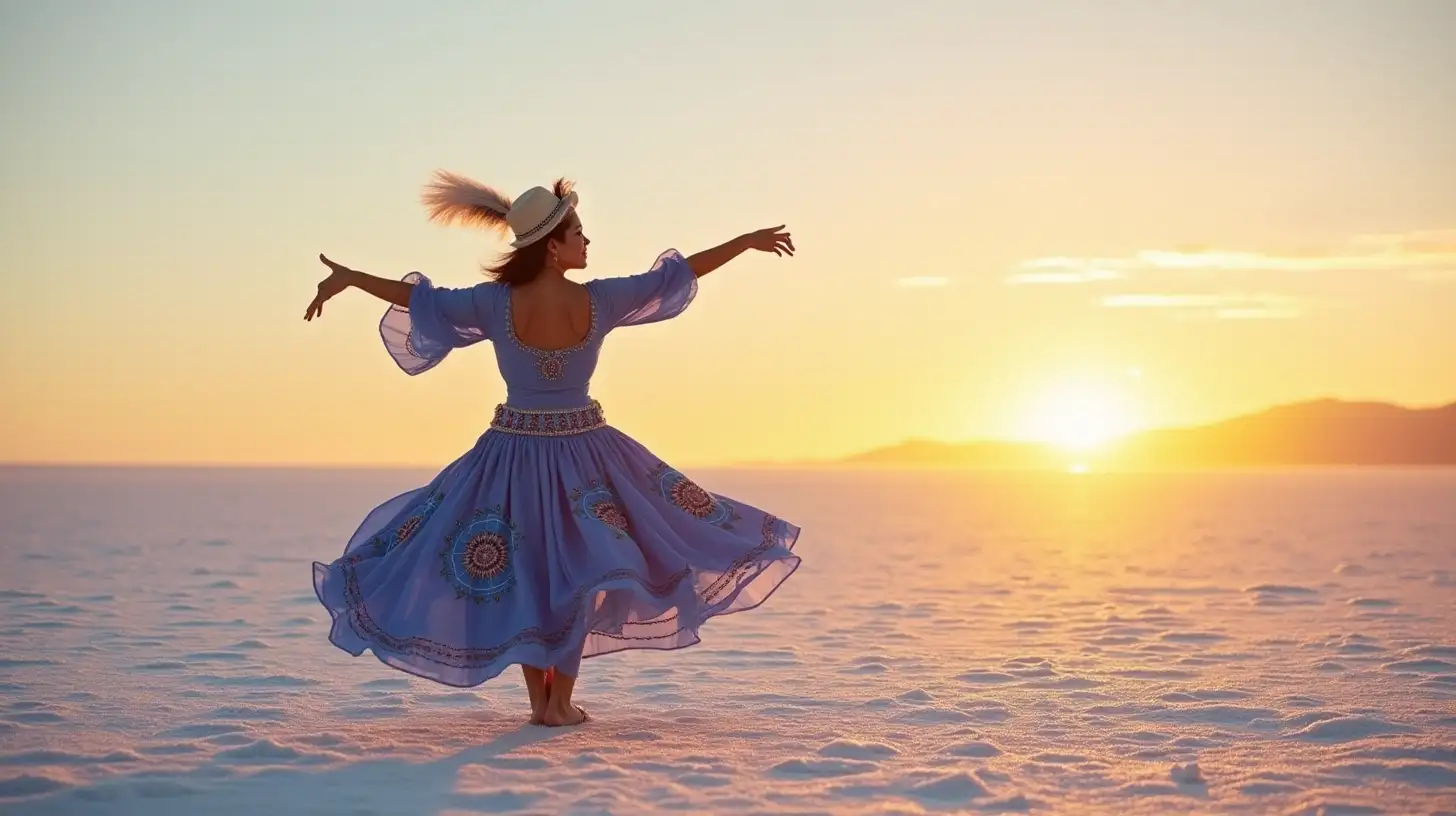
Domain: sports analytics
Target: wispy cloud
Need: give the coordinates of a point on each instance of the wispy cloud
(921, 282)
(1441, 241)
(1063, 270)
(1223, 306)
(1426, 255)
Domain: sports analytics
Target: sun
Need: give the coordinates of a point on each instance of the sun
(1080, 416)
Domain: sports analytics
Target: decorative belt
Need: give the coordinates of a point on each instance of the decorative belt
(558, 422)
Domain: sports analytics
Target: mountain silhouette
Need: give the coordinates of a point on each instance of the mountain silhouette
(1326, 432)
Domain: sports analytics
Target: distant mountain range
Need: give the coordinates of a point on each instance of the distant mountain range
(1318, 433)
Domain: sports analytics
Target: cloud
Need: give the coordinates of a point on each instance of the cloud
(1419, 241)
(921, 282)
(1223, 306)
(1063, 270)
(1424, 255)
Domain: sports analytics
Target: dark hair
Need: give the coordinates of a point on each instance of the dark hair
(521, 266)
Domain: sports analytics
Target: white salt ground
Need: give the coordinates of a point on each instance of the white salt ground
(1265, 643)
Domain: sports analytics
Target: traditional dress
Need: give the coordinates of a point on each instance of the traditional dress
(556, 537)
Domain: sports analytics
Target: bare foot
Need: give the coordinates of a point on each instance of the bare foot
(576, 716)
(538, 709)
(540, 701)
(538, 686)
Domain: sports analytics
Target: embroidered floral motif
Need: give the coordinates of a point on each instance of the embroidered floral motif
(608, 513)
(479, 556)
(486, 555)
(389, 540)
(550, 366)
(692, 499)
(561, 422)
(598, 501)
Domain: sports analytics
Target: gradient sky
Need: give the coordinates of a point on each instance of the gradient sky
(1005, 211)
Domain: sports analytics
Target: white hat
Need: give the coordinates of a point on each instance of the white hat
(453, 199)
(536, 212)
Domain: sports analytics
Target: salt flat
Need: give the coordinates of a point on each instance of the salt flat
(1206, 643)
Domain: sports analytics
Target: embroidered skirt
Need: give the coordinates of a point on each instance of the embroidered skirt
(555, 538)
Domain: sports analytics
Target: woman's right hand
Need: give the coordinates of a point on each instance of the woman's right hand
(340, 278)
(773, 239)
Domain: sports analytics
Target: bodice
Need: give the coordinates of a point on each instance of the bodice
(547, 378)
(420, 335)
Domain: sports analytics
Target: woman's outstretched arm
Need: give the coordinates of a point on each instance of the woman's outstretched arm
(773, 240)
(342, 277)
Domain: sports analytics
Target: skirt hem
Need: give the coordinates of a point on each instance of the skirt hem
(349, 616)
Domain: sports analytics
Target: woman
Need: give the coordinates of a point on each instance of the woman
(556, 537)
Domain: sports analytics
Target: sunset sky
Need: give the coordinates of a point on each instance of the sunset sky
(1014, 219)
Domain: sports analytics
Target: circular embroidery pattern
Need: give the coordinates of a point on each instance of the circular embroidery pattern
(550, 366)
(608, 513)
(597, 501)
(486, 555)
(389, 540)
(479, 558)
(689, 497)
(696, 501)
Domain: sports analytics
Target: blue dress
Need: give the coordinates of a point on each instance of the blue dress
(556, 537)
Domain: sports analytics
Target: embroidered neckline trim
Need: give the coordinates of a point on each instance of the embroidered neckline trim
(551, 363)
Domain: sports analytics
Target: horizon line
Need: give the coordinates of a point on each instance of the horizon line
(838, 465)
(842, 460)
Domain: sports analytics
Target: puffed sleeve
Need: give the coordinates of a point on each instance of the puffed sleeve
(436, 321)
(661, 293)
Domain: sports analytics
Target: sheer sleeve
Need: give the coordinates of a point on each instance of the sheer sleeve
(661, 293)
(436, 321)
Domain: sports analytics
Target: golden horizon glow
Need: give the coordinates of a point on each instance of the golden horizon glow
(1081, 416)
(1061, 274)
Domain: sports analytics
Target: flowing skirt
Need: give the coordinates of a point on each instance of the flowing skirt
(544, 551)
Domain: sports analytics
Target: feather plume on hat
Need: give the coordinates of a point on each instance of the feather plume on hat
(453, 199)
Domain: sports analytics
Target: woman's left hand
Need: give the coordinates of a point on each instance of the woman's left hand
(773, 239)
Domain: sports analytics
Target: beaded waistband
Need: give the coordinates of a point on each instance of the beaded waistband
(559, 422)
